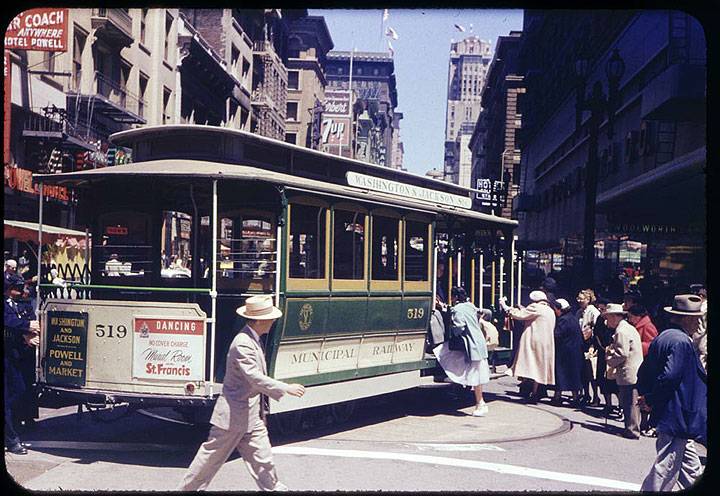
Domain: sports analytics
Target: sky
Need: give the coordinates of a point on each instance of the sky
(422, 52)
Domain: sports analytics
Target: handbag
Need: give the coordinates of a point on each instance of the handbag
(456, 341)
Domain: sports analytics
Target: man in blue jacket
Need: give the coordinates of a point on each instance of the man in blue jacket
(672, 385)
(20, 332)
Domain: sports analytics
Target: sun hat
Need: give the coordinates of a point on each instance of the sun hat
(686, 304)
(562, 303)
(259, 308)
(538, 296)
(614, 308)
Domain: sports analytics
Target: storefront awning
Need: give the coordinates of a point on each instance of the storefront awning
(28, 231)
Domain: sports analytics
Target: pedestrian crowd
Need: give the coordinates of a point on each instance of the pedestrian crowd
(659, 378)
(600, 347)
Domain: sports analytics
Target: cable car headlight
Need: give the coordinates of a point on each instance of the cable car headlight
(189, 388)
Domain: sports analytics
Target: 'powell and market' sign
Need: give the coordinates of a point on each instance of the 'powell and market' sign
(407, 190)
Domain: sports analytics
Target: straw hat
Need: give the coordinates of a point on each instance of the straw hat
(614, 308)
(538, 296)
(259, 308)
(686, 304)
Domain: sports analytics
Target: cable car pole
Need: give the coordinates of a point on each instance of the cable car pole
(213, 290)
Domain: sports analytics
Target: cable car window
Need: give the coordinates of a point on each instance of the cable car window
(246, 252)
(307, 242)
(416, 254)
(175, 245)
(125, 249)
(385, 248)
(349, 245)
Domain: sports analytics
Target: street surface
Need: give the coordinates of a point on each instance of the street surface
(418, 440)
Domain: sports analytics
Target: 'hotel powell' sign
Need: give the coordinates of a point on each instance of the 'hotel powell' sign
(407, 190)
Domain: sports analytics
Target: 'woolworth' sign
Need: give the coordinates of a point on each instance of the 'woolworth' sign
(407, 190)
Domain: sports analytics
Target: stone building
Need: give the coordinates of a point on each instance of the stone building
(651, 187)
(467, 69)
(374, 87)
(494, 145)
(308, 45)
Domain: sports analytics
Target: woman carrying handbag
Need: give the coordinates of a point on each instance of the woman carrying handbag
(464, 356)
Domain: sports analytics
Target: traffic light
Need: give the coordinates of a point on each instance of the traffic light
(111, 156)
(55, 161)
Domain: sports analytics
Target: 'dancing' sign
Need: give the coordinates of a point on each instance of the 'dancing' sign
(407, 190)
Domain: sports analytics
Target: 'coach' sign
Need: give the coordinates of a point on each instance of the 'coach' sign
(43, 29)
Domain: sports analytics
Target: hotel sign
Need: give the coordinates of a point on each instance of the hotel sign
(43, 29)
(407, 190)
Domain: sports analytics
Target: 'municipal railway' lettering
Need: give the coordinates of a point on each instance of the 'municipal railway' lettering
(317, 356)
(390, 348)
(65, 354)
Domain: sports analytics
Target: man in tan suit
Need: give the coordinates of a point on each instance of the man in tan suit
(236, 420)
(624, 357)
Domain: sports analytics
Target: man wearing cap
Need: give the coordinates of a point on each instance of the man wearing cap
(569, 355)
(672, 384)
(237, 419)
(624, 356)
(19, 332)
(535, 358)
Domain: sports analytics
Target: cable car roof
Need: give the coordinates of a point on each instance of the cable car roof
(184, 169)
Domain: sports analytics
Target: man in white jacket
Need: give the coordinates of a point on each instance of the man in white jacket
(624, 356)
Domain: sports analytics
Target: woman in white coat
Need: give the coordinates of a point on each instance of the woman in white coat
(535, 357)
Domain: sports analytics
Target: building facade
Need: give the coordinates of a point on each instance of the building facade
(375, 101)
(308, 45)
(467, 70)
(651, 186)
(494, 146)
(122, 68)
(398, 149)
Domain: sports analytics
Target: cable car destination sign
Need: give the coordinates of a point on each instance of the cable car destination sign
(407, 190)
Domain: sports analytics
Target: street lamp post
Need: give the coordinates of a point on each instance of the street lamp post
(598, 105)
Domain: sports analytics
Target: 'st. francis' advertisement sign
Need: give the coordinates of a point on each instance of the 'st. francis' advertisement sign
(169, 348)
(43, 29)
(65, 357)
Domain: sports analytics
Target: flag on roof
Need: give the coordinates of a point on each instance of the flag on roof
(386, 14)
(391, 33)
(459, 28)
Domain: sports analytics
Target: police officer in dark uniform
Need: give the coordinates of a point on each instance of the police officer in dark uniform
(27, 406)
(20, 332)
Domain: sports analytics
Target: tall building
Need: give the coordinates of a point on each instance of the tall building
(467, 69)
(374, 87)
(398, 149)
(308, 45)
(651, 187)
(494, 145)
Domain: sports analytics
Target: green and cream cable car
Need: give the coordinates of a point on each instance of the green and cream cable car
(205, 217)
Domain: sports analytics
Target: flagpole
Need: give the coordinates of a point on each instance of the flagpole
(350, 98)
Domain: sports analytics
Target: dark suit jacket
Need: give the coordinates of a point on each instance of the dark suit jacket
(674, 384)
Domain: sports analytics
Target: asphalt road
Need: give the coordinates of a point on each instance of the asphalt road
(419, 440)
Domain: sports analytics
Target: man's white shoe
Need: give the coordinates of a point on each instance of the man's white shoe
(480, 411)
